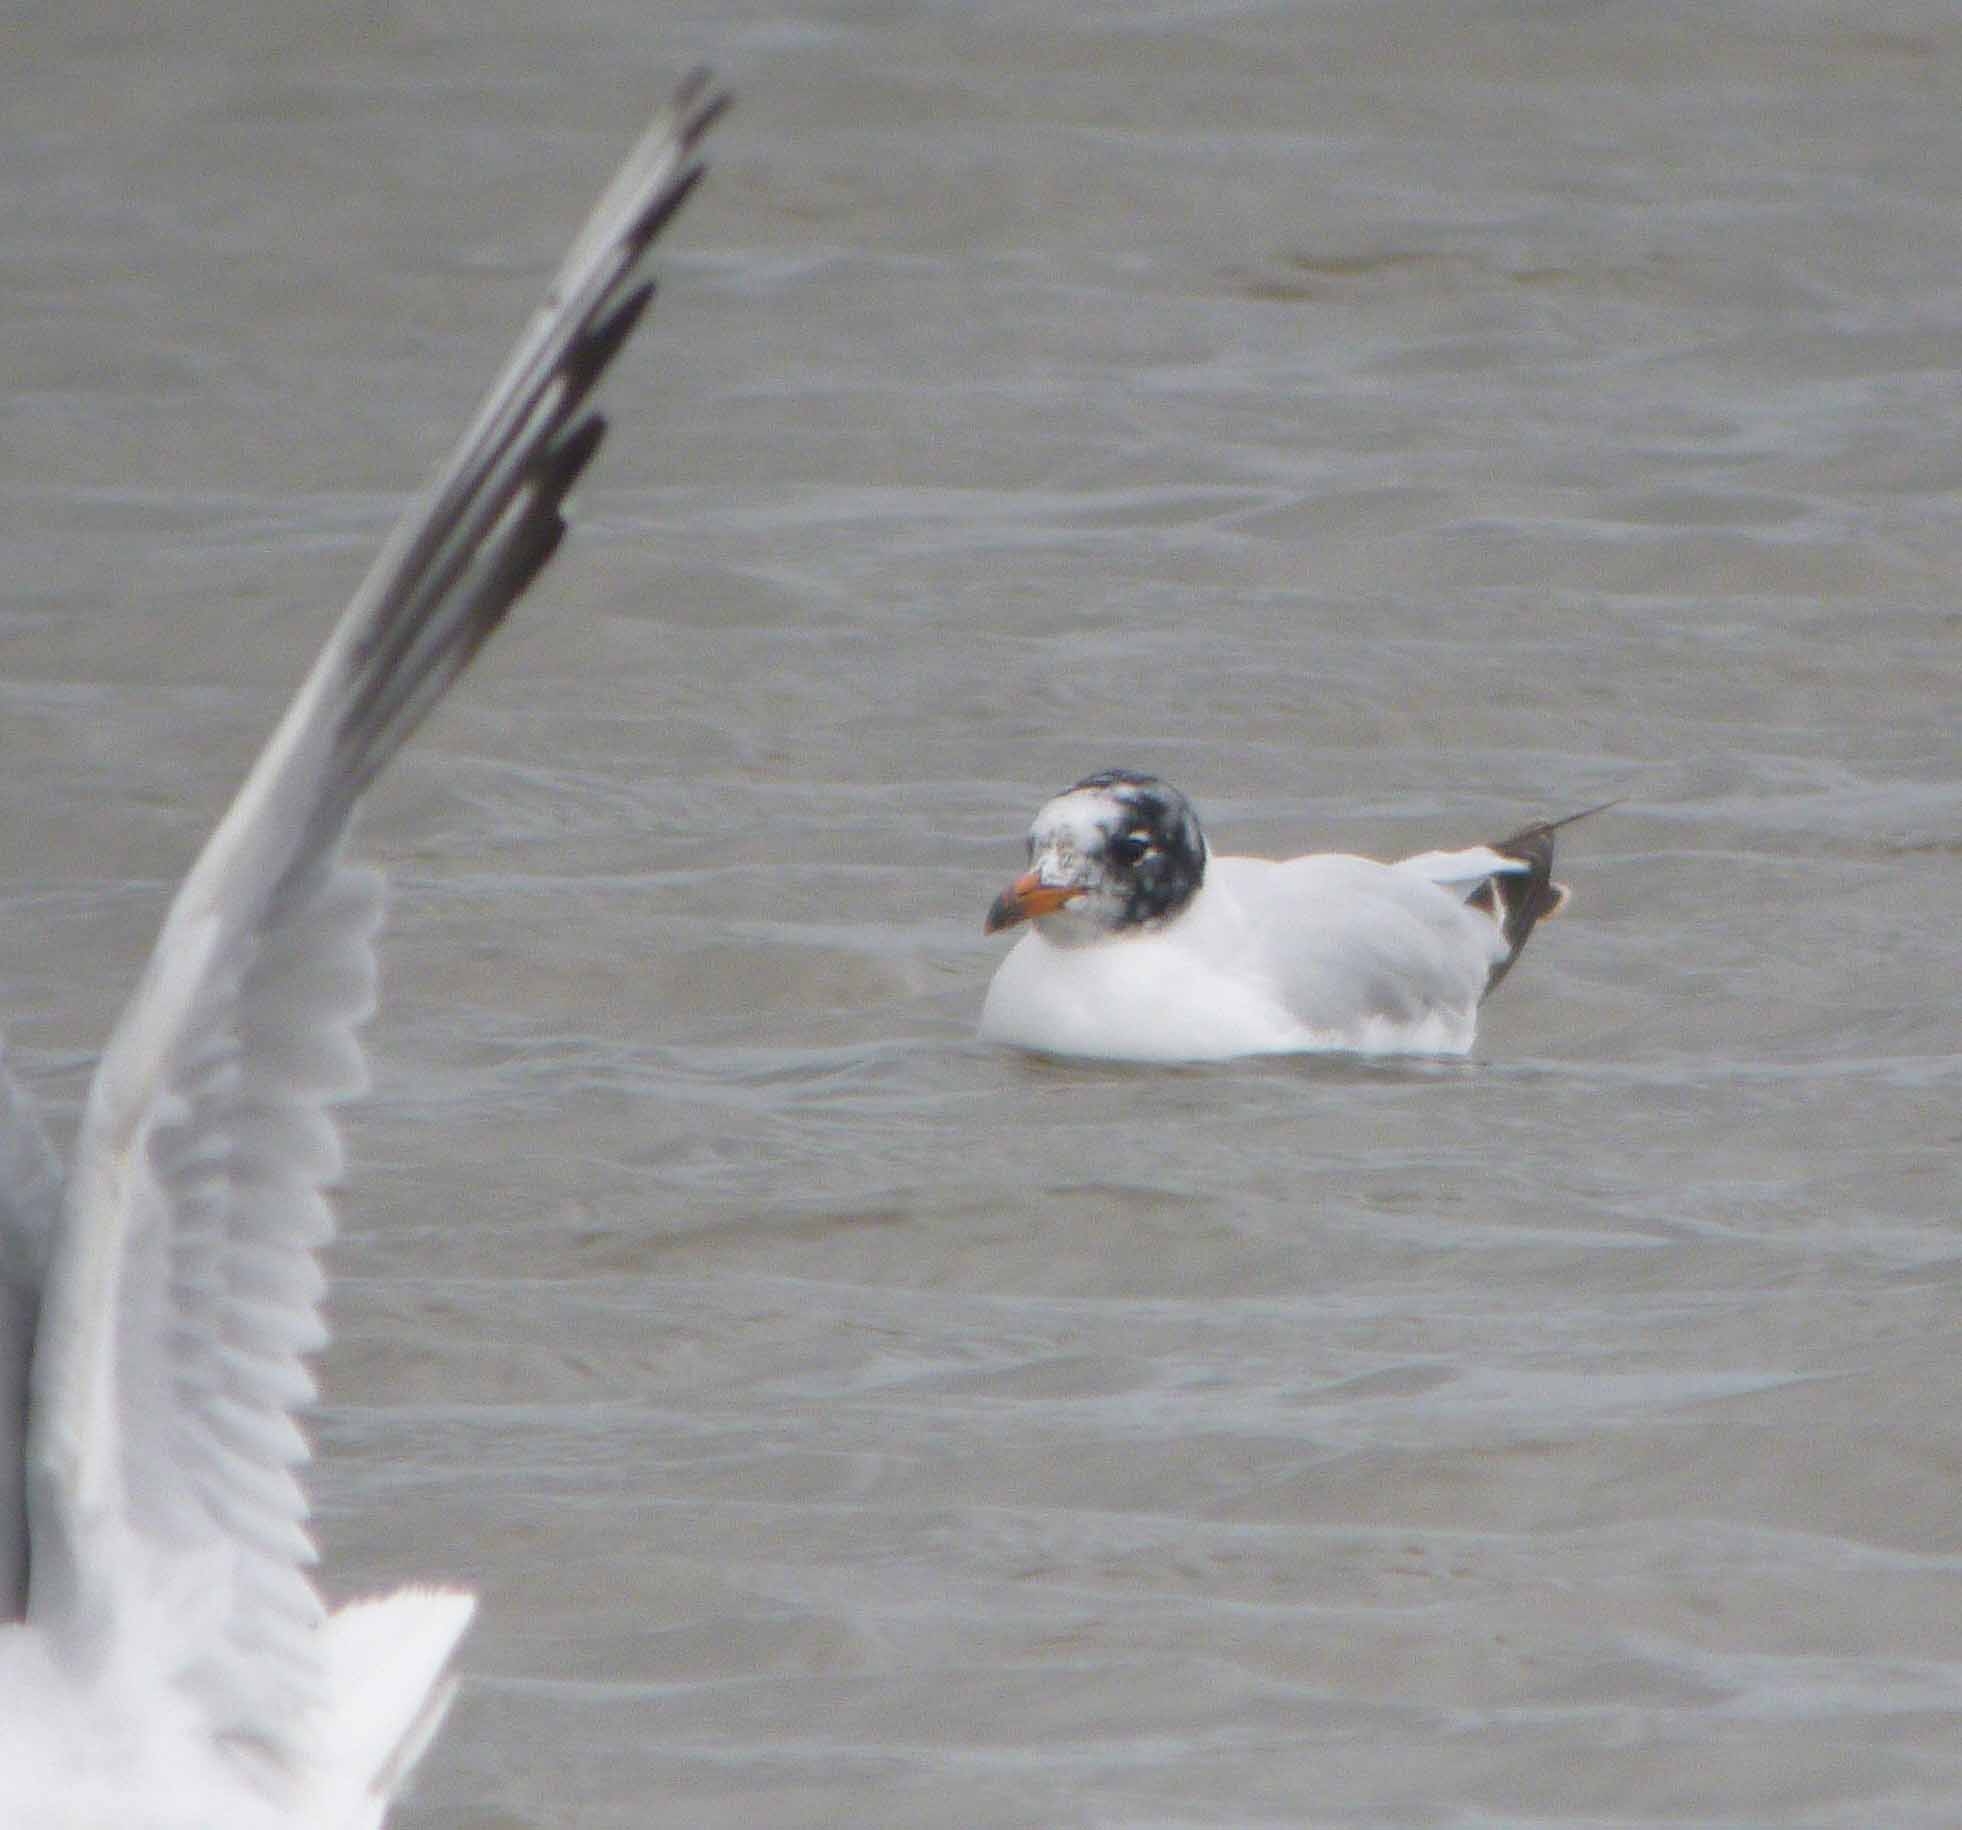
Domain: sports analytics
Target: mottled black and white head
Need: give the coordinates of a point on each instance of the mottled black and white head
(1120, 853)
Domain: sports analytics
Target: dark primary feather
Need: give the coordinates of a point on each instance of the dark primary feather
(450, 572)
(1520, 903)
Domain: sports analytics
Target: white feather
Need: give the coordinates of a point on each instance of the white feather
(168, 1662)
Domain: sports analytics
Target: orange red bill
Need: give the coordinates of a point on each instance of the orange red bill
(1025, 899)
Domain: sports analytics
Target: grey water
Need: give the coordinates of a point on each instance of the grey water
(1390, 422)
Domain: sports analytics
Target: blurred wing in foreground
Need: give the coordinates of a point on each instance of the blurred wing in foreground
(163, 1516)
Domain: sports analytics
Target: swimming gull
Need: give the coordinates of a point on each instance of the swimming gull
(1147, 946)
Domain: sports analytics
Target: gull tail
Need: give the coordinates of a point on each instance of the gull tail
(1520, 899)
(388, 1688)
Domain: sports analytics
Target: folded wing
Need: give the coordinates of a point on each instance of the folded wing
(1509, 881)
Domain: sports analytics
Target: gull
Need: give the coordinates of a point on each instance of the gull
(1144, 945)
(165, 1660)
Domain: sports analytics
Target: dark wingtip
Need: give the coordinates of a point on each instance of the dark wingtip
(699, 102)
(564, 461)
(1520, 902)
(593, 352)
(668, 205)
(1545, 829)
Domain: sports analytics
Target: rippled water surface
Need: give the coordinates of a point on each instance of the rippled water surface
(1388, 421)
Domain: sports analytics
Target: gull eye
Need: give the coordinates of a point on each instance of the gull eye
(1128, 848)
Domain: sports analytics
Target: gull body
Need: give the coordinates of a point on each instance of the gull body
(165, 1660)
(1144, 945)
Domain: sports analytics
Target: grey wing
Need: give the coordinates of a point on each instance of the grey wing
(183, 1294)
(1354, 942)
(30, 1201)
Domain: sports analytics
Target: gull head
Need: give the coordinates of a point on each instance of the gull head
(1119, 853)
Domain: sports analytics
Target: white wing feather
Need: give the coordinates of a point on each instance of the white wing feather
(164, 1516)
(1462, 870)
